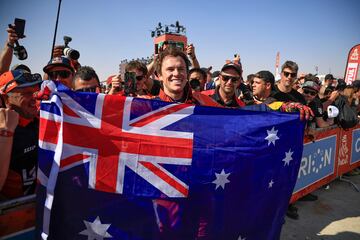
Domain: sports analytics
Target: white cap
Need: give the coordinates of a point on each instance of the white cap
(332, 111)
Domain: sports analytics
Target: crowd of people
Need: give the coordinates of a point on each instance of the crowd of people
(174, 75)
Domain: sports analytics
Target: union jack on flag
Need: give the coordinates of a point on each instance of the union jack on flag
(104, 159)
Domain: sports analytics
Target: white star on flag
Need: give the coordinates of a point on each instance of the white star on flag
(272, 136)
(240, 238)
(271, 183)
(288, 157)
(221, 179)
(95, 230)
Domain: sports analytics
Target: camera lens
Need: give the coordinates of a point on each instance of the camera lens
(194, 83)
(71, 53)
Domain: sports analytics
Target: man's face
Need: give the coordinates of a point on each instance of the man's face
(173, 74)
(309, 94)
(22, 100)
(198, 76)
(259, 87)
(229, 80)
(296, 85)
(91, 85)
(287, 77)
(140, 79)
(61, 74)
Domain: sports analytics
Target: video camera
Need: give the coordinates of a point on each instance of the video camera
(129, 83)
(19, 51)
(194, 84)
(69, 52)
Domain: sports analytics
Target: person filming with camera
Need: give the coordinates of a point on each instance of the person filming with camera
(134, 83)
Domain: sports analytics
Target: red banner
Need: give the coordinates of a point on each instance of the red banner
(352, 65)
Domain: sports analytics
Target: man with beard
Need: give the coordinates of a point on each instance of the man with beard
(224, 93)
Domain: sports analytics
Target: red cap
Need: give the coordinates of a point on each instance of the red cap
(17, 79)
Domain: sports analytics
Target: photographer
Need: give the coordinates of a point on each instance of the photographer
(131, 87)
(197, 79)
(60, 69)
(59, 51)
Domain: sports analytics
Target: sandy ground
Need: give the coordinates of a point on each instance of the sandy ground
(334, 216)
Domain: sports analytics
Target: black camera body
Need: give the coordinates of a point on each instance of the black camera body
(69, 52)
(19, 51)
(129, 83)
(194, 84)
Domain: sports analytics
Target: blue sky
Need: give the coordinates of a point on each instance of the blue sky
(311, 33)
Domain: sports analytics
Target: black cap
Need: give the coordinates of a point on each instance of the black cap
(329, 77)
(234, 66)
(311, 85)
(58, 61)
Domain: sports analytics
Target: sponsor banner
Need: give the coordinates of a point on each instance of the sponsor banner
(318, 162)
(355, 147)
(352, 65)
(344, 152)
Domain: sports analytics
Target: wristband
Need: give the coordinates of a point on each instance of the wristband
(10, 46)
(6, 133)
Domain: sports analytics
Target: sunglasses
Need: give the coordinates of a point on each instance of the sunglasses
(139, 78)
(196, 79)
(89, 89)
(289, 73)
(23, 78)
(312, 93)
(61, 74)
(227, 78)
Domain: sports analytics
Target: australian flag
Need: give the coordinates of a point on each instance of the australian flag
(112, 167)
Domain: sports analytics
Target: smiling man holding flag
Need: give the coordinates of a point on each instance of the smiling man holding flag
(104, 161)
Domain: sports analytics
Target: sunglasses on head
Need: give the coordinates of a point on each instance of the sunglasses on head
(89, 89)
(62, 74)
(289, 73)
(227, 78)
(312, 93)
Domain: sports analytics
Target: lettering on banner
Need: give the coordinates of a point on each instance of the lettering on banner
(311, 164)
(357, 145)
(343, 151)
(351, 71)
(355, 55)
(351, 74)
